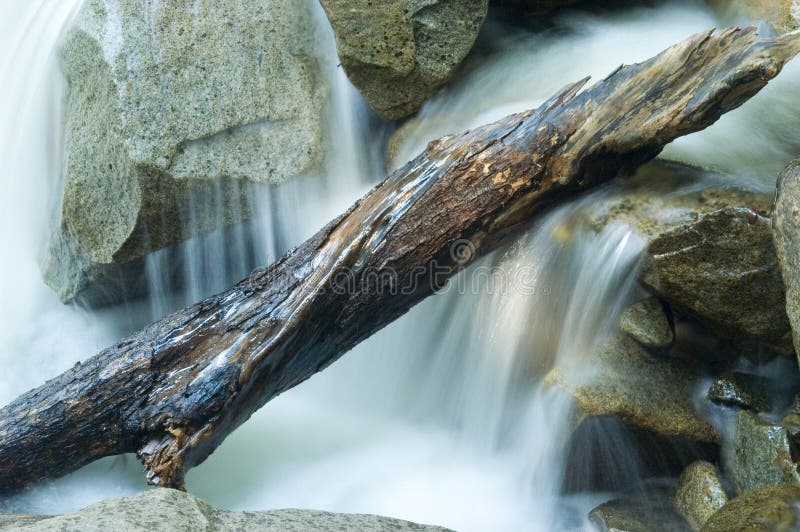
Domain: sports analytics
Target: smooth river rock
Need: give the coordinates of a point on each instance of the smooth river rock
(699, 493)
(646, 322)
(626, 381)
(171, 108)
(398, 53)
(775, 509)
(166, 509)
(786, 232)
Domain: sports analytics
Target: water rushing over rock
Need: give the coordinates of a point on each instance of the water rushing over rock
(444, 417)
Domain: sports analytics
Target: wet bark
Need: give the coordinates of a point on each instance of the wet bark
(173, 391)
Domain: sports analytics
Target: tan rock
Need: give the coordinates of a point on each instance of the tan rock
(775, 509)
(626, 381)
(699, 493)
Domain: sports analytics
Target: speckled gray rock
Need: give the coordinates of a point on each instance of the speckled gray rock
(166, 509)
(758, 455)
(786, 232)
(651, 512)
(774, 509)
(699, 493)
(399, 52)
(626, 381)
(646, 322)
(171, 107)
(740, 390)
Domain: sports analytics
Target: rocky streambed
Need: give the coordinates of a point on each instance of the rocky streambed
(227, 119)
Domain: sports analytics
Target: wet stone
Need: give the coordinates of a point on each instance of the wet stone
(741, 390)
(699, 493)
(758, 455)
(646, 322)
(650, 512)
(774, 509)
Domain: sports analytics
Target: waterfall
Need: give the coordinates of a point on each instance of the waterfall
(443, 417)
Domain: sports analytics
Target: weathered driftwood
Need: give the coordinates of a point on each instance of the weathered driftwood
(175, 390)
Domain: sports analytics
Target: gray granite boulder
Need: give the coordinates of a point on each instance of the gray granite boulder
(172, 108)
(166, 509)
(786, 232)
(398, 53)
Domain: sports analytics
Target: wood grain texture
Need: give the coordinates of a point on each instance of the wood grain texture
(173, 391)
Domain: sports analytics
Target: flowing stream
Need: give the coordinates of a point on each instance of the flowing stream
(440, 418)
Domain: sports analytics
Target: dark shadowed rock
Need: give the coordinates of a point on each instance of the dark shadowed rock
(166, 509)
(711, 255)
(775, 509)
(782, 15)
(699, 493)
(741, 390)
(398, 53)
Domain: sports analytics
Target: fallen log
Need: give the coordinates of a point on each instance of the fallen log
(173, 391)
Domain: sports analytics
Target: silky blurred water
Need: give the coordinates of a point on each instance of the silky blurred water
(438, 418)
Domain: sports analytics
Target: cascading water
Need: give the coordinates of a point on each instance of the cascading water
(439, 418)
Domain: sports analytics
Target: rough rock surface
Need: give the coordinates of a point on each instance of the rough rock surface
(646, 322)
(782, 15)
(775, 509)
(641, 390)
(741, 390)
(399, 52)
(651, 512)
(759, 455)
(711, 254)
(166, 509)
(170, 110)
(699, 493)
(722, 270)
(786, 232)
